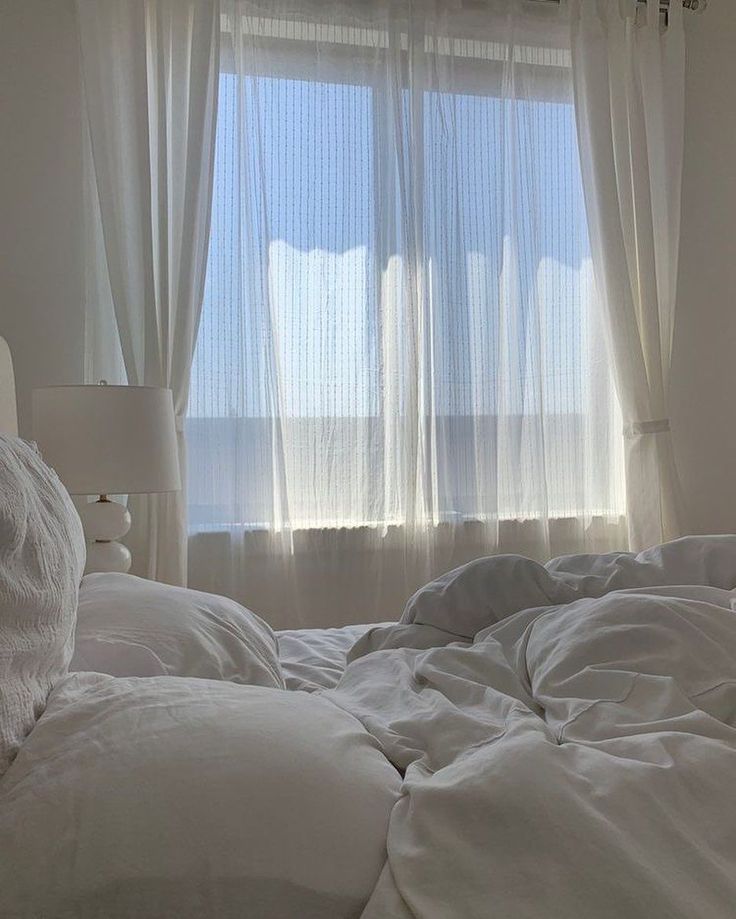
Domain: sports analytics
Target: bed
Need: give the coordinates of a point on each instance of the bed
(526, 741)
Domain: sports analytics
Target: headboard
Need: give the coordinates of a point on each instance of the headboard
(8, 411)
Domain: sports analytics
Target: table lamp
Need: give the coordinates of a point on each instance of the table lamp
(108, 440)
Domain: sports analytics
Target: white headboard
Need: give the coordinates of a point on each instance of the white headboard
(8, 411)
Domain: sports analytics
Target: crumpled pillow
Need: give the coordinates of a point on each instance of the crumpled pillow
(42, 558)
(128, 626)
(473, 597)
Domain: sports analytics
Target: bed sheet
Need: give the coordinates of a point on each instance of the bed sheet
(313, 659)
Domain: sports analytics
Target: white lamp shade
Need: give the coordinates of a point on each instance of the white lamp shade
(108, 439)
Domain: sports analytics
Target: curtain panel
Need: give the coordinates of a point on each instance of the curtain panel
(629, 80)
(401, 363)
(150, 70)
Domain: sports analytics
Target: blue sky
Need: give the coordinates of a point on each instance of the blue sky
(297, 251)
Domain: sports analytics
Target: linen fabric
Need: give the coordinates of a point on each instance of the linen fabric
(42, 557)
(314, 659)
(572, 758)
(401, 364)
(129, 626)
(471, 597)
(150, 87)
(574, 762)
(172, 798)
(629, 84)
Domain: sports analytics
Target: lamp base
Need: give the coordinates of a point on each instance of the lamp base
(107, 556)
(104, 522)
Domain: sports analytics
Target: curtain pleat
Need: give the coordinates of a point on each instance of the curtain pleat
(629, 81)
(400, 364)
(151, 75)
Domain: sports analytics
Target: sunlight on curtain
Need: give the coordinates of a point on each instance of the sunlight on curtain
(398, 366)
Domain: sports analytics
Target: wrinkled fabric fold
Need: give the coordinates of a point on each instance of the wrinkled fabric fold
(572, 758)
(400, 365)
(150, 84)
(629, 84)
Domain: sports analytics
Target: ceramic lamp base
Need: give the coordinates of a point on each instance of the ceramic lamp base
(107, 556)
(104, 523)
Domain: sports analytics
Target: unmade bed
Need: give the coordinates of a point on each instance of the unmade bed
(527, 741)
(553, 741)
(313, 659)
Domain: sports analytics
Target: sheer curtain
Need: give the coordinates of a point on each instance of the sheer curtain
(629, 68)
(150, 71)
(399, 365)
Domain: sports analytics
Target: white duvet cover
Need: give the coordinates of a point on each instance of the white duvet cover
(129, 626)
(576, 760)
(313, 659)
(572, 763)
(171, 798)
(565, 738)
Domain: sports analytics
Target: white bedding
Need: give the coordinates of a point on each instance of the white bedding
(566, 736)
(313, 659)
(574, 763)
(172, 798)
(129, 626)
(42, 556)
(575, 760)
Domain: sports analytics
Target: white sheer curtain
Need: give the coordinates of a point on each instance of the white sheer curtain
(399, 365)
(150, 72)
(629, 69)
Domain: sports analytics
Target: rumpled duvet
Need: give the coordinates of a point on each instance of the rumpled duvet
(550, 741)
(575, 758)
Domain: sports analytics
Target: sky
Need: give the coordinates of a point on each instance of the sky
(382, 273)
(314, 223)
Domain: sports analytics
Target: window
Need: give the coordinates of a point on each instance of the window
(399, 320)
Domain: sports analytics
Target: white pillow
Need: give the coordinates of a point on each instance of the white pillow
(42, 556)
(163, 798)
(128, 626)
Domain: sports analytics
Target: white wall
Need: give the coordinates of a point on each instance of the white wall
(41, 274)
(41, 277)
(704, 371)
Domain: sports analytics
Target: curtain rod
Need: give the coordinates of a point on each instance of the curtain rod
(695, 6)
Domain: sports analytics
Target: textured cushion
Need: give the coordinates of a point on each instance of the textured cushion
(42, 556)
(169, 798)
(128, 626)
